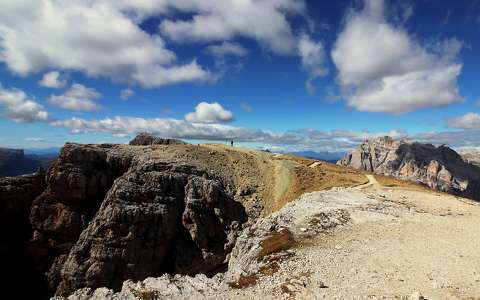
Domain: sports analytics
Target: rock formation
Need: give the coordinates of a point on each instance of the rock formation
(157, 218)
(13, 162)
(439, 167)
(16, 266)
(471, 156)
(145, 139)
(103, 214)
(76, 186)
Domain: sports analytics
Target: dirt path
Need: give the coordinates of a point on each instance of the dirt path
(317, 163)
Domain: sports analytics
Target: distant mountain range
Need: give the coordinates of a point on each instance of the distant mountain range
(15, 162)
(332, 157)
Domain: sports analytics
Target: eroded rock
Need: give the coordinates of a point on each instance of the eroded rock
(145, 139)
(76, 185)
(157, 218)
(439, 168)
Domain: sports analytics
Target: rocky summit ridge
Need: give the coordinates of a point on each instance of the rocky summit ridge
(103, 214)
(169, 220)
(439, 167)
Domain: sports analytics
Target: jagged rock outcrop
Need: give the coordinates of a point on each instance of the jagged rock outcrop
(146, 139)
(16, 266)
(76, 186)
(439, 167)
(157, 218)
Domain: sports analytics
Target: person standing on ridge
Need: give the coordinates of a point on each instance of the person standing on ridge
(231, 143)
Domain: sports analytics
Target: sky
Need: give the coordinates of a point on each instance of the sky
(287, 75)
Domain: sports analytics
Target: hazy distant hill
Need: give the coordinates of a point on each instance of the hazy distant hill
(332, 157)
(15, 162)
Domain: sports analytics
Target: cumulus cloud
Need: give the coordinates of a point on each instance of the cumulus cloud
(125, 94)
(467, 121)
(19, 108)
(209, 113)
(78, 97)
(53, 80)
(304, 139)
(313, 60)
(220, 20)
(227, 49)
(99, 38)
(384, 69)
(297, 140)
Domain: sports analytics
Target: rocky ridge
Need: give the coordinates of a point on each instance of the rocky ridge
(439, 167)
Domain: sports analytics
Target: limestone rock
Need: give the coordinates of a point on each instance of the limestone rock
(439, 167)
(156, 218)
(145, 139)
(76, 185)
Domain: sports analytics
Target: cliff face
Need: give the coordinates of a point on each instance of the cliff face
(14, 162)
(106, 213)
(16, 265)
(439, 168)
(76, 185)
(157, 218)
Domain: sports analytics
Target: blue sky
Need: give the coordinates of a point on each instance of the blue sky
(283, 74)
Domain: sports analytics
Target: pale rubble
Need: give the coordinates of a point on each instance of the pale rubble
(257, 252)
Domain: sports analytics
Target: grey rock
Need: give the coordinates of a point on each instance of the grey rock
(439, 167)
(145, 139)
(157, 218)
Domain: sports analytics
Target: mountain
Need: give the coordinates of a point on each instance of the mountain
(439, 167)
(42, 151)
(15, 162)
(109, 213)
(180, 221)
(471, 156)
(322, 155)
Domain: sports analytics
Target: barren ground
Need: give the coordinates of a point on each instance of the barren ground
(382, 238)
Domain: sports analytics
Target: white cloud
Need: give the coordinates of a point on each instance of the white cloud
(35, 140)
(78, 97)
(467, 121)
(209, 113)
(220, 20)
(226, 49)
(53, 80)
(19, 108)
(313, 60)
(98, 38)
(298, 140)
(384, 69)
(126, 93)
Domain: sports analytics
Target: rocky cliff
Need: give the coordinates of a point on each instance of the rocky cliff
(439, 167)
(16, 265)
(106, 213)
